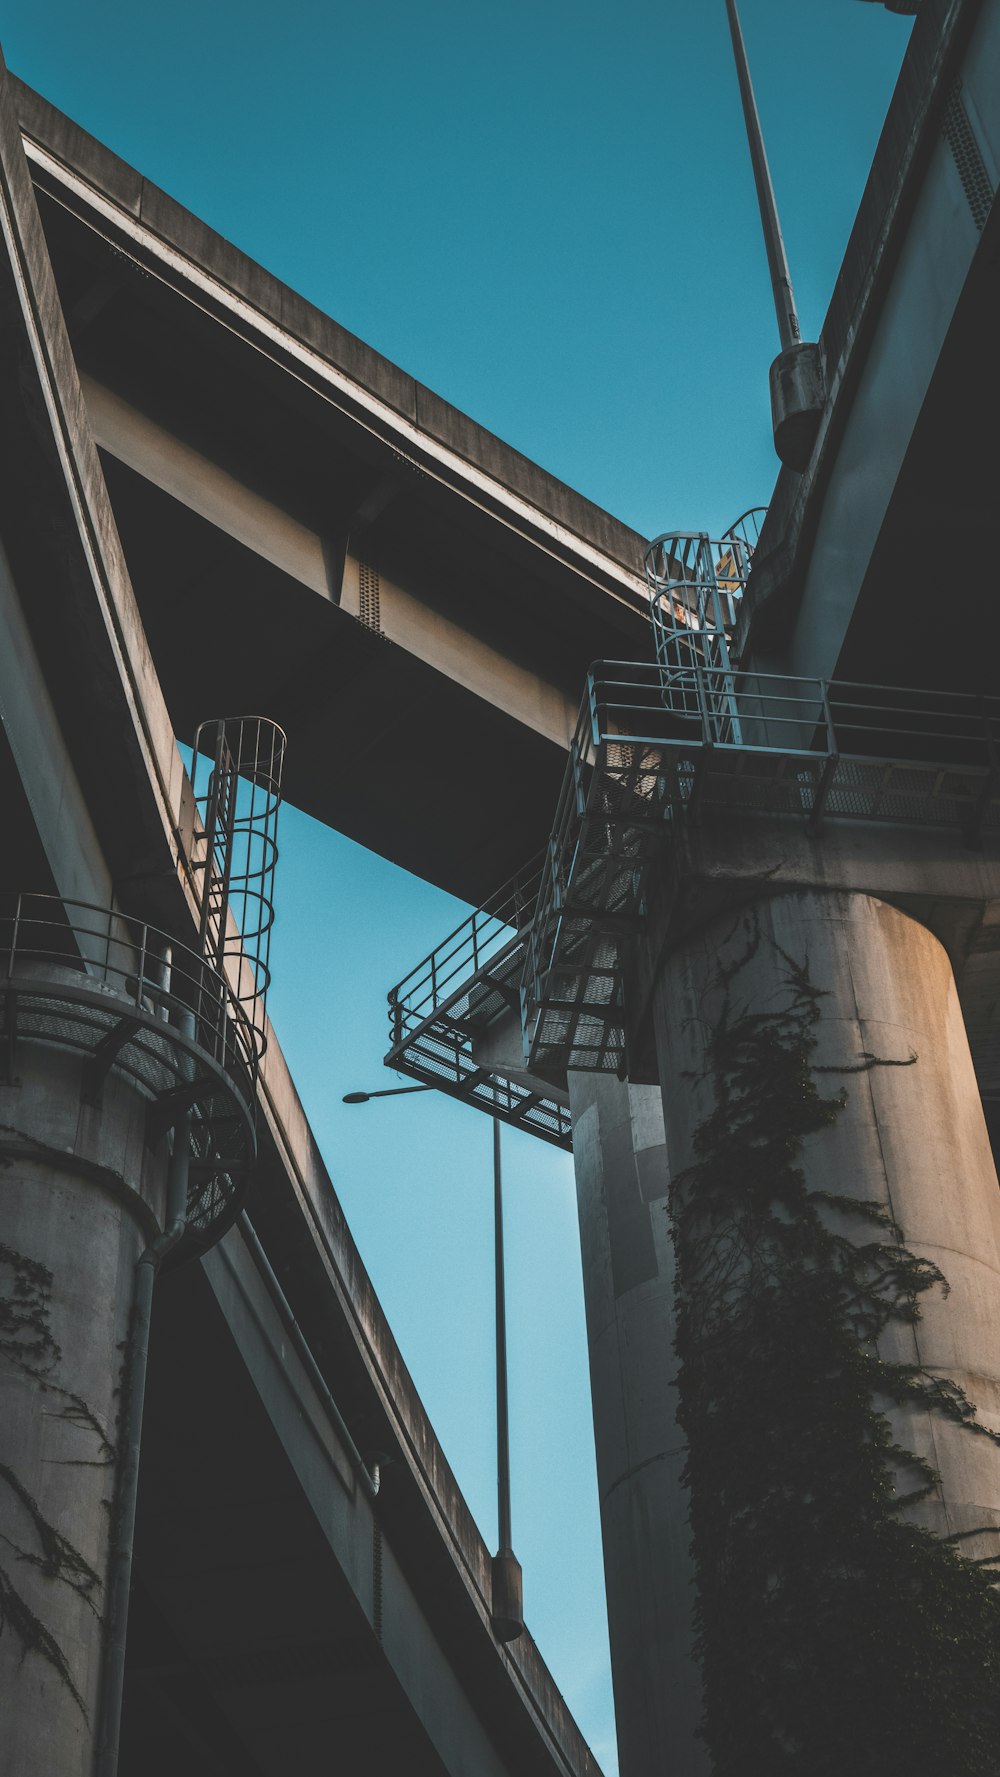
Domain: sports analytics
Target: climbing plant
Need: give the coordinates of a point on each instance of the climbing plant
(27, 1344)
(836, 1635)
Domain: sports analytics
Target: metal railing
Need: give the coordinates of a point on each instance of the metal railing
(111, 954)
(646, 752)
(139, 1005)
(441, 1014)
(478, 943)
(642, 756)
(634, 703)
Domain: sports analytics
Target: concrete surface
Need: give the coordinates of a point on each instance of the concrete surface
(622, 1181)
(104, 777)
(911, 1137)
(910, 369)
(82, 1195)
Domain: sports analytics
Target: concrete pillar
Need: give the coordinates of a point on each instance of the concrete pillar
(81, 1195)
(911, 1134)
(628, 1272)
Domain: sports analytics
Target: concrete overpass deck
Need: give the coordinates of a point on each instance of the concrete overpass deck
(413, 601)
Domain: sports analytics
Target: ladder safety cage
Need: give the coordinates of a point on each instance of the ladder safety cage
(236, 770)
(696, 584)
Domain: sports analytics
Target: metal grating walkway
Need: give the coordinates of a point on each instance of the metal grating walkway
(444, 1007)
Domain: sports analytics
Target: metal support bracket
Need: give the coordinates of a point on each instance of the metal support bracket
(99, 1066)
(823, 788)
(165, 1110)
(693, 810)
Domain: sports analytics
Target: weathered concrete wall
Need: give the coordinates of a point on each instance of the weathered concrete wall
(911, 1136)
(82, 1195)
(628, 1276)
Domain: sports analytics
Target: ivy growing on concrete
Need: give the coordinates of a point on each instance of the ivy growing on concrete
(836, 1635)
(28, 1345)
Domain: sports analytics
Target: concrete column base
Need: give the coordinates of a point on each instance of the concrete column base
(71, 1231)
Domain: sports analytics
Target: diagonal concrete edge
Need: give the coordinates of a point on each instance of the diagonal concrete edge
(60, 533)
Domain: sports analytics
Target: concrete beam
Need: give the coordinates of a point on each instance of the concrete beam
(73, 617)
(186, 254)
(202, 486)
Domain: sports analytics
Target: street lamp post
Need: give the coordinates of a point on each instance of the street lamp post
(777, 259)
(507, 1607)
(797, 378)
(508, 1604)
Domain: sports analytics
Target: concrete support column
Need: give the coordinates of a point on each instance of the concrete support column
(911, 1135)
(628, 1271)
(81, 1195)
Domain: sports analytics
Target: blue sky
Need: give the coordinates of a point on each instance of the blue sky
(545, 212)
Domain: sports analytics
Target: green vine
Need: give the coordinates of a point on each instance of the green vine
(25, 1334)
(835, 1635)
(27, 1343)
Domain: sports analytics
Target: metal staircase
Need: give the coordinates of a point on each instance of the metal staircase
(661, 745)
(652, 752)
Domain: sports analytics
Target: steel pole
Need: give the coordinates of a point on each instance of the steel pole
(777, 260)
(503, 1431)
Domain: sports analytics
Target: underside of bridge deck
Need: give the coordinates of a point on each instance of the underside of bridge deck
(248, 1653)
(254, 480)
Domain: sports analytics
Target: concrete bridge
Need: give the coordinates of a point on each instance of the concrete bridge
(828, 800)
(190, 450)
(295, 501)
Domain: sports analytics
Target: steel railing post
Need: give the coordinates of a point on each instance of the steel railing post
(15, 929)
(142, 961)
(831, 736)
(699, 681)
(591, 705)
